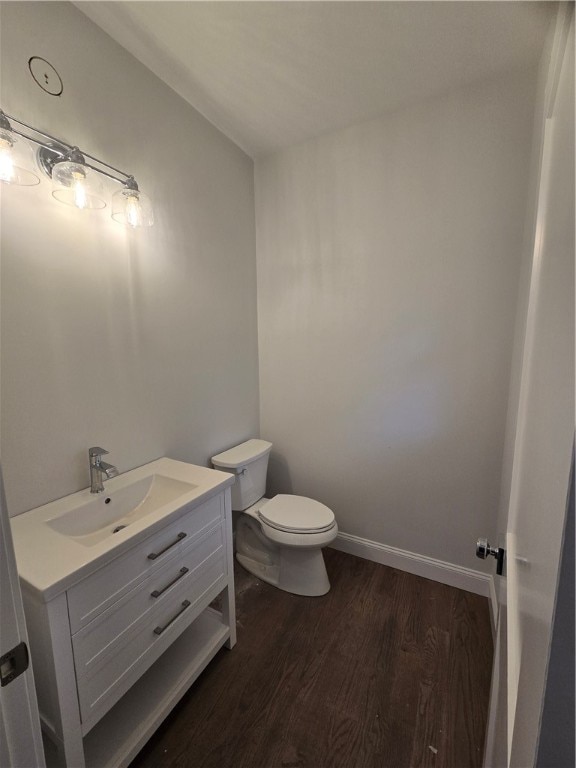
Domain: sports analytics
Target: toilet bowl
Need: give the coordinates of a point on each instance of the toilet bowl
(279, 540)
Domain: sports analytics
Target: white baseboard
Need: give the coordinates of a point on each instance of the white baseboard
(429, 568)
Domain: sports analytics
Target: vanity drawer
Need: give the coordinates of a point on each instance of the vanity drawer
(96, 593)
(108, 676)
(100, 639)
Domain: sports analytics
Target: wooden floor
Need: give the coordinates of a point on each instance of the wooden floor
(387, 670)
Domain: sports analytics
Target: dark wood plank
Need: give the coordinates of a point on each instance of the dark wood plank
(387, 670)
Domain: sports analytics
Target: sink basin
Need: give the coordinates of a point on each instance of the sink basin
(69, 538)
(92, 521)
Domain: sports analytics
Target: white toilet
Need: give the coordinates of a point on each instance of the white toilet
(279, 540)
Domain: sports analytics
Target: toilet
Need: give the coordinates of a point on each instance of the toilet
(279, 540)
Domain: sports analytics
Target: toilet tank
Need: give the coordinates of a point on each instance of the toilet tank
(249, 462)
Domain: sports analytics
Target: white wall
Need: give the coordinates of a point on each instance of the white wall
(388, 264)
(142, 342)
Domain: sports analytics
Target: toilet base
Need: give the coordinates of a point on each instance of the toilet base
(298, 570)
(293, 575)
(267, 573)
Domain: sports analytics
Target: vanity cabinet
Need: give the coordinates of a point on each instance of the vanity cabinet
(115, 650)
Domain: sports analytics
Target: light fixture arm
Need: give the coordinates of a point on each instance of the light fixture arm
(116, 170)
(48, 136)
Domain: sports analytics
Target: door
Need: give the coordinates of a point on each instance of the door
(544, 439)
(20, 736)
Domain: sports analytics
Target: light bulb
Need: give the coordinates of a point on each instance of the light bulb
(75, 184)
(13, 160)
(80, 199)
(6, 161)
(132, 207)
(133, 211)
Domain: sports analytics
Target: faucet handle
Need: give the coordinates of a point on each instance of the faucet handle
(93, 452)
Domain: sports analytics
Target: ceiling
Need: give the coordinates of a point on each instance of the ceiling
(273, 74)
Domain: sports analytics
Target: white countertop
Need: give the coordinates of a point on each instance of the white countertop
(49, 562)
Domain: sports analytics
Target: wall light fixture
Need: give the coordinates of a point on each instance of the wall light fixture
(74, 180)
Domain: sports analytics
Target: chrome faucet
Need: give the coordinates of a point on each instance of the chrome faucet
(99, 470)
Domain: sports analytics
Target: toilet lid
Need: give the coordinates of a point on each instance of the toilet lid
(296, 513)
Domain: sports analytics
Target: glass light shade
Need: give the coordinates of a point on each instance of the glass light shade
(132, 207)
(14, 157)
(75, 184)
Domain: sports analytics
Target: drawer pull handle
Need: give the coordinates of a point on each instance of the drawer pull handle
(159, 630)
(154, 555)
(158, 592)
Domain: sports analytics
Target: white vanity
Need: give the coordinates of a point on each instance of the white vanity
(118, 591)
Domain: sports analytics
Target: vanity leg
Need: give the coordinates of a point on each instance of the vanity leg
(63, 754)
(56, 685)
(229, 598)
(229, 615)
(74, 752)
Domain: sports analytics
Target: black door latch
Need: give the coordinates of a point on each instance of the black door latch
(484, 550)
(13, 664)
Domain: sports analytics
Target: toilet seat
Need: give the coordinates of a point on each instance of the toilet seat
(296, 514)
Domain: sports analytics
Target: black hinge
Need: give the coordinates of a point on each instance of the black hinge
(13, 664)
